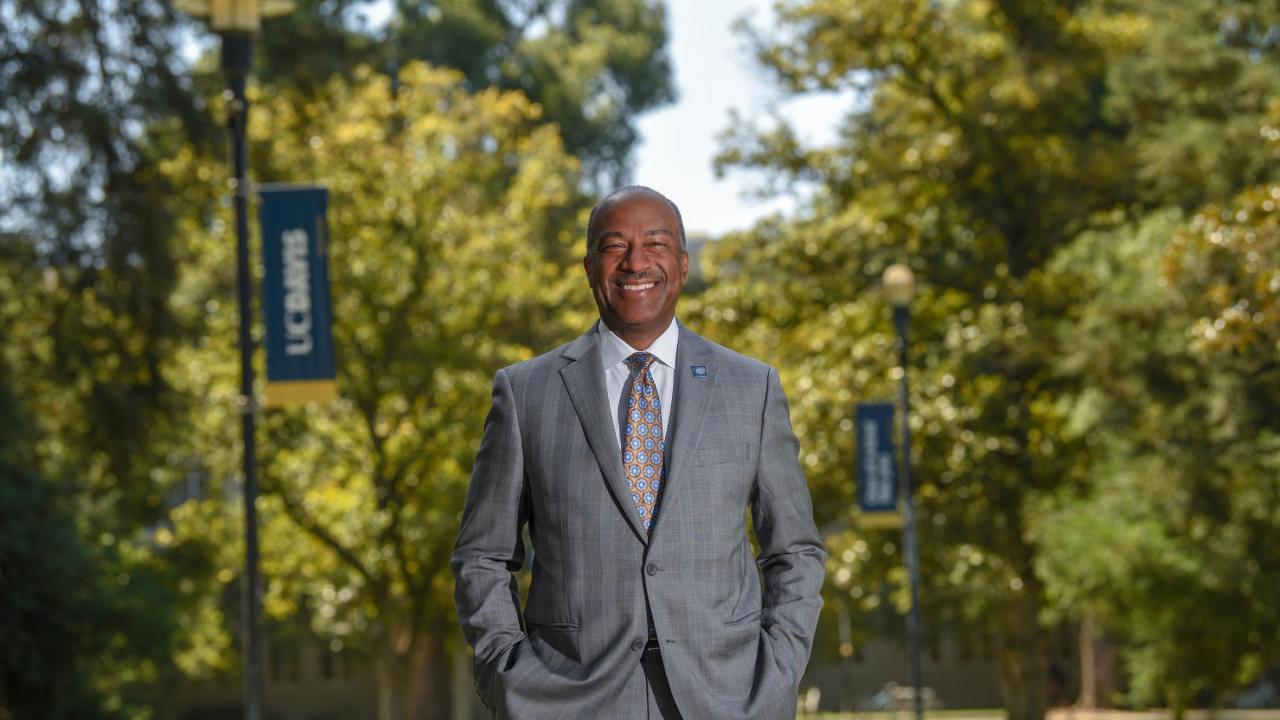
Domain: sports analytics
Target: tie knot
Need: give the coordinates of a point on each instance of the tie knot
(641, 360)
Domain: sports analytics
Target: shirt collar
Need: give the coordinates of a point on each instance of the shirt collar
(614, 349)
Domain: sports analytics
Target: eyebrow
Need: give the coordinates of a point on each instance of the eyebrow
(647, 233)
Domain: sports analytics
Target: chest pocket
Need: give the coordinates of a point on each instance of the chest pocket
(721, 453)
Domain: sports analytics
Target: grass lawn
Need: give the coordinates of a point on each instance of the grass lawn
(981, 714)
(1054, 714)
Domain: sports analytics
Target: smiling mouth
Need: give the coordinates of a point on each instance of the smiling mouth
(638, 287)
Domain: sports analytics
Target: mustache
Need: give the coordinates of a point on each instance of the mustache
(630, 278)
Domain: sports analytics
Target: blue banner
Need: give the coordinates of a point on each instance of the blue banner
(295, 294)
(877, 464)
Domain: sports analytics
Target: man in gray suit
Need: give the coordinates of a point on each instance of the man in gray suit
(632, 454)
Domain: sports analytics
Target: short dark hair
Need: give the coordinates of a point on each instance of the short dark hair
(623, 193)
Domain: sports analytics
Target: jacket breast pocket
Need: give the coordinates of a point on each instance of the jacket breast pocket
(722, 453)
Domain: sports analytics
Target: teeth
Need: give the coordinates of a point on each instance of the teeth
(645, 286)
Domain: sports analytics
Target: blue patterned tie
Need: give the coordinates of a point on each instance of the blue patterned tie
(642, 442)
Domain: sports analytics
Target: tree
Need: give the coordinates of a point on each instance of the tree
(593, 66)
(1175, 388)
(987, 137)
(454, 223)
(94, 221)
(85, 233)
(48, 612)
(88, 622)
(965, 161)
(86, 267)
(1174, 341)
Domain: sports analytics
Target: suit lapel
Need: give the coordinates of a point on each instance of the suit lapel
(584, 379)
(692, 396)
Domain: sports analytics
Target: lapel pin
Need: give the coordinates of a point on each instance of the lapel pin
(699, 371)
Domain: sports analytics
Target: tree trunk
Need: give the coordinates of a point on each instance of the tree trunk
(1098, 667)
(1088, 666)
(466, 703)
(413, 684)
(1177, 697)
(1023, 660)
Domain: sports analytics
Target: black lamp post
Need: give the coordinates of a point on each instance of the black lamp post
(237, 21)
(899, 289)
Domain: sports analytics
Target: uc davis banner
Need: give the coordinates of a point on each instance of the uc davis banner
(295, 294)
(877, 466)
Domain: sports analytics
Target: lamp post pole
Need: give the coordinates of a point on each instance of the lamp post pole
(899, 289)
(237, 21)
(237, 56)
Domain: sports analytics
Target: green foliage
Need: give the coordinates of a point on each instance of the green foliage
(86, 261)
(85, 626)
(1193, 100)
(115, 280)
(1226, 265)
(1020, 156)
(592, 66)
(48, 613)
(1085, 190)
(454, 251)
(1175, 347)
(86, 266)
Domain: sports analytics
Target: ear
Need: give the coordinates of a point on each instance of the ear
(586, 266)
(684, 267)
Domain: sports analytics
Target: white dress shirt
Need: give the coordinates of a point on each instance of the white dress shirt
(614, 352)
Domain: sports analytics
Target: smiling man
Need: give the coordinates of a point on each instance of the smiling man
(632, 455)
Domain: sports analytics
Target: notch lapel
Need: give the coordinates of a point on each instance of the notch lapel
(691, 396)
(584, 380)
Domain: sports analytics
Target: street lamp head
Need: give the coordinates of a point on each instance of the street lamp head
(899, 285)
(235, 16)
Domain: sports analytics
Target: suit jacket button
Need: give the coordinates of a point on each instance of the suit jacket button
(637, 645)
(651, 569)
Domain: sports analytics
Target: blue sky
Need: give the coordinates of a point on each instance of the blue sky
(715, 73)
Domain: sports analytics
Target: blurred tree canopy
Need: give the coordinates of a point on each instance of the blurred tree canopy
(95, 97)
(52, 616)
(1086, 190)
(1004, 150)
(112, 204)
(1174, 343)
(85, 237)
(592, 65)
(85, 275)
(455, 217)
(87, 616)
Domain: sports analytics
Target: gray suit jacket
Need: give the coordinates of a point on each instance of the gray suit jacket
(735, 630)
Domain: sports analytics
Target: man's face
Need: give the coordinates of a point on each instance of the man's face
(636, 268)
